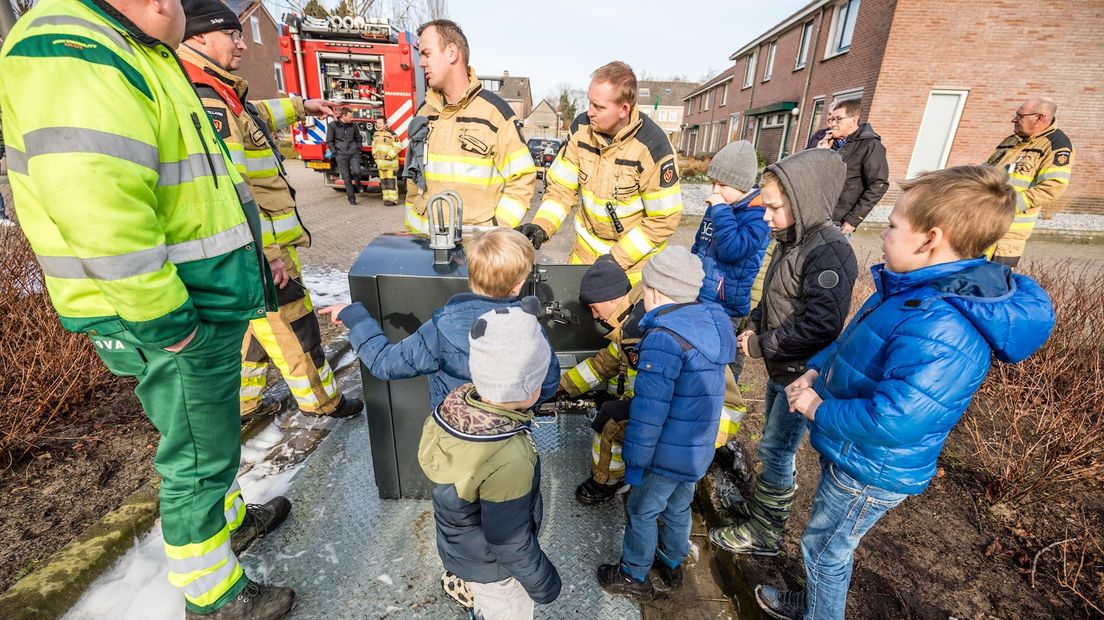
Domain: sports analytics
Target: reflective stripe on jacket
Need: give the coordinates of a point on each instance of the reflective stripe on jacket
(385, 149)
(1038, 168)
(475, 148)
(634, 174)
(124, 190)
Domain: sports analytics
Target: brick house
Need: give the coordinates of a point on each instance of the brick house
(708, 116)
(940, 81)
(261, 63)
(662, 102)
(543, 122)
(513, 89)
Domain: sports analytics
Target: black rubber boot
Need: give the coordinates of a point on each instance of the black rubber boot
(671, 577)
(593, 492)
(733, 457)
(255, 602)
(268, 406)
(616, 581)
(347, 408)
(781, 604)
(260, 519)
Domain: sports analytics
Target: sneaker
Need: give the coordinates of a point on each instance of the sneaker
(781, 604)
(268, 406)
(616, 581)
(671, 577)
(347, 408)
(593, 492)
(255, 602)
(352, 200)
(457, 589)
(260, 519)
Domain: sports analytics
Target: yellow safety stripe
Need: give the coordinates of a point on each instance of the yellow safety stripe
(636, 244)
(1022, 203)
(564, 173)
(517, 163)
(416, 222)
(614, 350)
(663, 202)
(234, 507)
(281, 112)
(1020, 181)
(261, 163)
(509, 211)
(596, 245)
(584, 376)
(616, 463)
(596, 206)
(1062, 174)
(282, 229)
(552, 212)
(197, 550)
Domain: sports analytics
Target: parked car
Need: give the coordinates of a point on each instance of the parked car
(543, 150)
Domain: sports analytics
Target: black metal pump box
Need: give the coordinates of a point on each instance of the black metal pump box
(395, 277)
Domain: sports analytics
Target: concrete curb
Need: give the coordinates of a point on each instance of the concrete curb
(52, 589)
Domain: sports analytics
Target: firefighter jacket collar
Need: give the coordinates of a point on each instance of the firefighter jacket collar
(209, 66)
(623, 136)
(1018, 139)
(436, 99)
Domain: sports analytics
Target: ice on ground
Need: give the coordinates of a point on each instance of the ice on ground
(327, 286)
(385, 578)
(137, 588)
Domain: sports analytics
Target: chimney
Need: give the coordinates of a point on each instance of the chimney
(505, 74)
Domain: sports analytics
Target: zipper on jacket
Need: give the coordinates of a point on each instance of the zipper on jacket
(210, 162)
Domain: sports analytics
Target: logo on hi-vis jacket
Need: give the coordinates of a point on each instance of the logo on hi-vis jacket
(218, 118)
(1061, 158)
(667, 174)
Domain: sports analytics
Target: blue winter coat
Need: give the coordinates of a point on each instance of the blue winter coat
(903, 372)
(679, 390)
(439, 348)
(731, 242)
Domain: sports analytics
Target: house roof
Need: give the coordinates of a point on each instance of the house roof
(544, 104)
(799, 16)
(514, 87)
(245, 8)
(669, 92)
(720, 78)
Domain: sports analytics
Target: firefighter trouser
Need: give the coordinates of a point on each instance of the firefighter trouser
(289, 338)
(389, 184)
(348, 166)
(609, 425)
(189, 397)
(734, 409)
(1010, 247)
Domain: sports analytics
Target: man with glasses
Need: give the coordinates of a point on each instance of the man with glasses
(212, 50)
(867, 169)
(1038, 158)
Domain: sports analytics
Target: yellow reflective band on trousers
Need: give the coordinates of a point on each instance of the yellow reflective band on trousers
(415, 222)
(204, 571)
(731, 418)
(606, 464)
(389, 185)
(234, 507)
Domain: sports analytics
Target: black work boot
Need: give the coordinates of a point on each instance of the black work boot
(256, 602)
(347, 408)
(352, 199)
(733, 457)
(616, 581)
(267, 407)
(781, 604)
(260, 519)
(593, 492)
(671, 577)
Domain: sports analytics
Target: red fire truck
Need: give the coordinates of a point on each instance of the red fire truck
(362, 63)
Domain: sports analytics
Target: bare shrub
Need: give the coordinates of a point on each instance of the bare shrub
(48, 372)
(1037, 428)
(694, 168)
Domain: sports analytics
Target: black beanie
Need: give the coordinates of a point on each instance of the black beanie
(603, 281)
(203, 16)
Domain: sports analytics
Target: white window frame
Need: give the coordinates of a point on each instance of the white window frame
(814, 115)
(278, 71)
(645, 92)
(723, 95)
(768, 68)
(844, 13)
(772, 121)
(255, 26)
(964, 95)
(804, 45)
(749, 69)
(661, 116)
(705, 100)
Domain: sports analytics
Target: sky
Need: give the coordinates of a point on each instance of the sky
(558, 41)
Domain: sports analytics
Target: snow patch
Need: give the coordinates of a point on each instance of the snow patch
(327, 286)
(385, 578)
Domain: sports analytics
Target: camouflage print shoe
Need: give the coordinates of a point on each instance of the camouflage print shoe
(761, 532)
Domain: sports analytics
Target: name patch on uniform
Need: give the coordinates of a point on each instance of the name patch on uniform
(667, 174)
(218, 117)
(1061, 158)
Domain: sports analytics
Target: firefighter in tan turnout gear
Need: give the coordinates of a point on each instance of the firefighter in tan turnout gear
(623, 168)
(290, 337)
(385, 152)
(465, 139)
(1038, 158)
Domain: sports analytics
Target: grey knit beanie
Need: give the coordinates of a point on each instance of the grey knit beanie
(735, 165)
(676, 273)
(509, 356)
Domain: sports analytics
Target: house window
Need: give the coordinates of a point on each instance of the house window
(769, 70)
(255, 26)
(749, 70)
(724, 96)
(815, 118)
(492, 85)
(806, 42)
(843, 27)
(645, 92)
(937, 130)
(661, 116)
(705, 100)
(773, 120)
(278, 70)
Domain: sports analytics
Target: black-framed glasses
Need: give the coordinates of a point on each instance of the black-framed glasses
(1022, 116)
(836, 119)
(235, 36)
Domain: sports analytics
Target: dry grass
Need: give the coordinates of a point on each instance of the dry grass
(49, 373)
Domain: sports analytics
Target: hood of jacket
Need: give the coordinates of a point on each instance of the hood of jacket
(812, 181)
(706, 326)
(1012, 312)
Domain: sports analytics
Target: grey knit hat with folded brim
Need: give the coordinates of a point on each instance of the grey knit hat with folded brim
(736, 165)
(509, 356)
(676, 273)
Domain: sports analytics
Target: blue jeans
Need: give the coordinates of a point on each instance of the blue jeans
(657, 496)
(782, 433)
(843, 511)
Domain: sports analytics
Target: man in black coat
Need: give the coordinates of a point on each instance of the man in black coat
(344, 140)
(867, 169)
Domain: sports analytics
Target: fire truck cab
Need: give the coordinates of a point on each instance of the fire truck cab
(361, 63)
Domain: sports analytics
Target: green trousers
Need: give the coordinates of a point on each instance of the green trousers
(192, 399)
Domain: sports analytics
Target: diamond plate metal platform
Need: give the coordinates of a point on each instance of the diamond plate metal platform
(349, 554)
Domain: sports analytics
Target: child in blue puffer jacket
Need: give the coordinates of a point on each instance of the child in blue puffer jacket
(883, 397)
(731, 241)
(672, 421)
